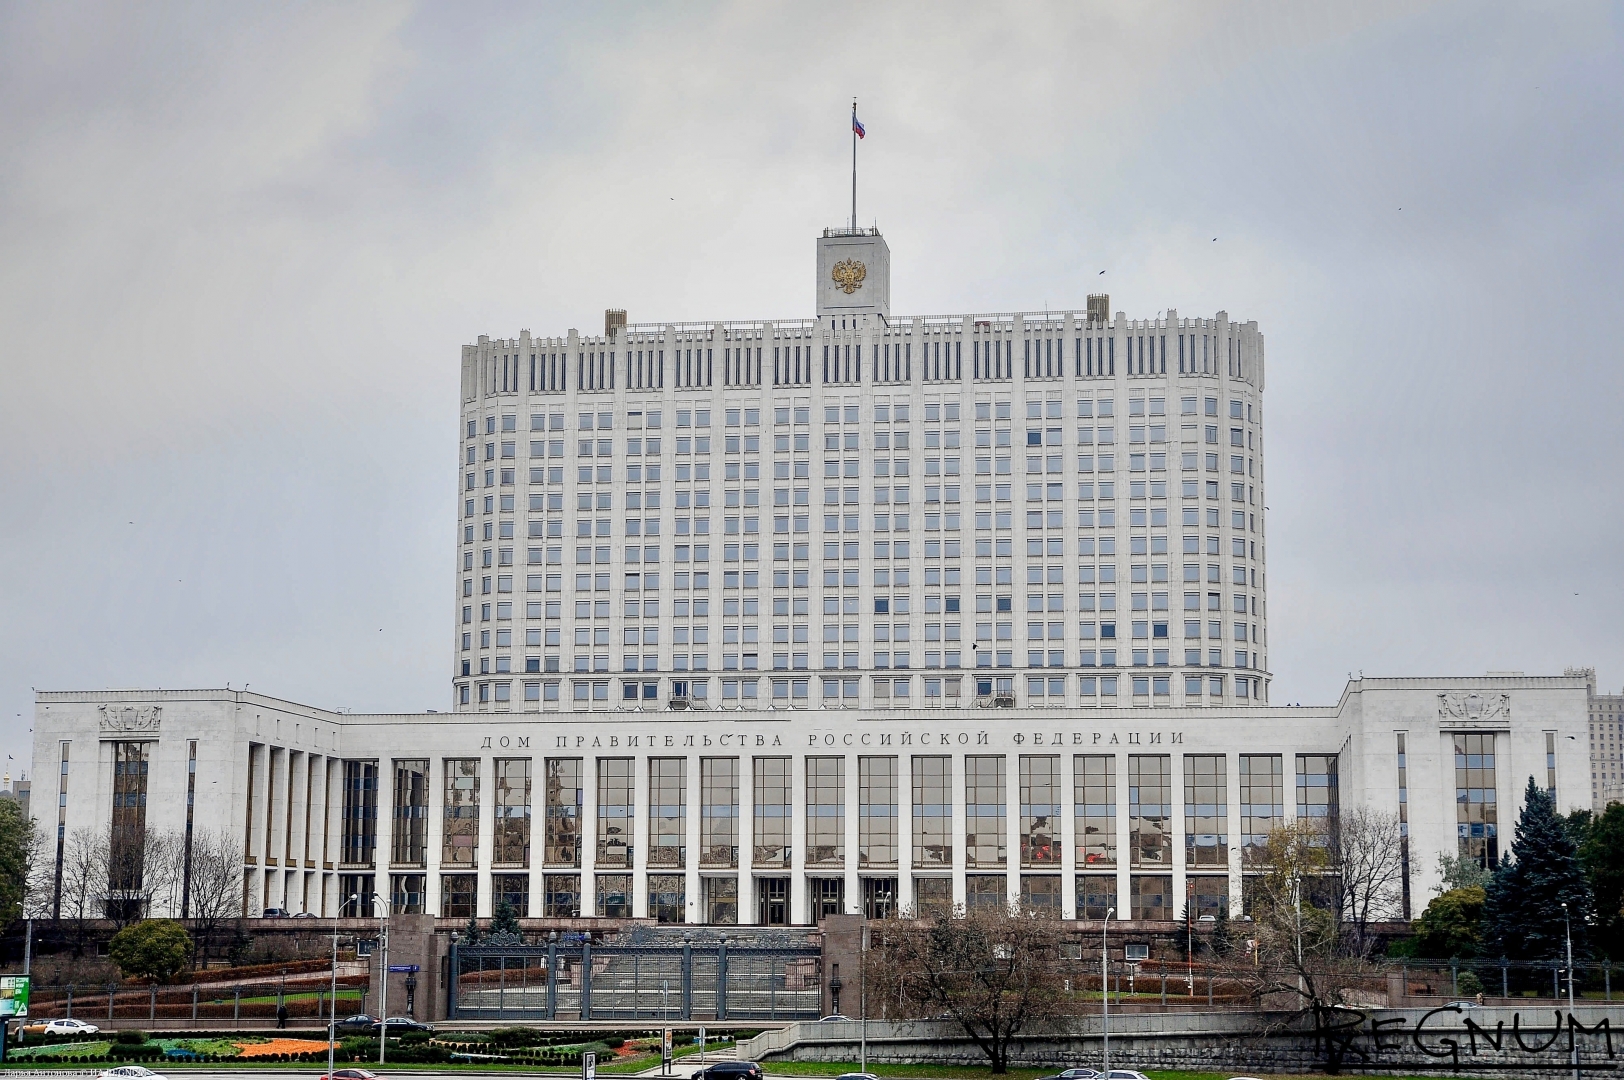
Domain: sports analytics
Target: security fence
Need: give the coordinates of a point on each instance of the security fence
(645, 975)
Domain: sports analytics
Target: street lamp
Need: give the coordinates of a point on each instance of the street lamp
(1567, 933)
(1105, 988)
(332, 1002)
(382, 907)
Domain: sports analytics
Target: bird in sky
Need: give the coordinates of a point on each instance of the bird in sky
(1102, 271)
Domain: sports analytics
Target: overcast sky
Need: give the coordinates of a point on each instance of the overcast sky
(241, 246)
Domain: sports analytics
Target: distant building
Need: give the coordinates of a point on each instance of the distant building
(20, 791)
(1606, 743)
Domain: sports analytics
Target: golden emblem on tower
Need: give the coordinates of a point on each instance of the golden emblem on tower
(848, 275)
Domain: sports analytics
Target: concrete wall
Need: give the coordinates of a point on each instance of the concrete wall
(1414, 1040)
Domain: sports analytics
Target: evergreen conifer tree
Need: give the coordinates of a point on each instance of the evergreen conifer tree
(470, 933)
(504, 920)
(1522, 914)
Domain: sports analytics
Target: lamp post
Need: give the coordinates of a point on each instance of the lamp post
(1567, 933)
(1105, 989)
(382, 907)
(862, 995)
(332, 1001)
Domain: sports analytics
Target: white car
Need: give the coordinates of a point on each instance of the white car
(129, 1072)
(1126, 1074)
(70, 1027)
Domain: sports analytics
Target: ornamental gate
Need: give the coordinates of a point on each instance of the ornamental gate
(644, 975)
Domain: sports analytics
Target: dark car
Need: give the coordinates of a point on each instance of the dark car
(359, 1024)
(730, 1070)
(1075, 1074)
(399, 1025)
(350, 1074)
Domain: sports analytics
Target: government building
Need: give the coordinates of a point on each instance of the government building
(761, 622)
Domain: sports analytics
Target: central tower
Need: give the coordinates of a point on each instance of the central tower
(854, 273)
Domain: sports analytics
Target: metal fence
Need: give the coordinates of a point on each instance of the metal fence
(698, 976)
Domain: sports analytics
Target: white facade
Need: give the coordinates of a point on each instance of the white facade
(272, 772)
(1049, 509)
(759, 621)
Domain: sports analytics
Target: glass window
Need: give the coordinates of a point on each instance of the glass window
(1206, 810)
(457, 895)
(825, 810)
(1263, 803)
(1096, 895)
(459, 827)
(1150, 809)
(719, 814)
(1476, 809)
(616, 799)
(511, 843)
(667, 817)
(1040, 892)
(722, 895)
(360, 813)
(409, 837)
(667, 893)
(561, 896)
(1150, 895)
(933, 895)
(984, 810)
(933, 811)
(1040, 810)
(877, 812)
(985, 890)
(1316, 785)
(512, 889)
(614, 899)
(770, 818)
(563, 825)
(1094, 789)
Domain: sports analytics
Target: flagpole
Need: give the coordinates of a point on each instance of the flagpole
(854, 164)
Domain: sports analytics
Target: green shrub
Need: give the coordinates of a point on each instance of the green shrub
(131, 1036)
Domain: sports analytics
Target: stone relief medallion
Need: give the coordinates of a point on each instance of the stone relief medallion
(848, 275)
(130, 717)
(1474, 706)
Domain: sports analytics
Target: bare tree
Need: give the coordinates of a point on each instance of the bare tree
(1366, 849)
(994, 970)
(1302, 950)
(215, 893)
(83, 881)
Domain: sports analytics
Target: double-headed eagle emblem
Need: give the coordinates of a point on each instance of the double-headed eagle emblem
(848, 275)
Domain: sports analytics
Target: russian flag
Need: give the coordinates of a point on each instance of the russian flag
(857, 127)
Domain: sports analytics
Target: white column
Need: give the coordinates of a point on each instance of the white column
(747, 838)
(1066, 830)
(691, 898)
(1012, 824)
(643, 801)
(1124, 848)
(955, 794)
(797, 870)
(484, 888)
(1181, 878)
(854, 886)
(905, 889)
(589, 835)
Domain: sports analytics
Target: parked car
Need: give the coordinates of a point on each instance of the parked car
(731, 1070)
(59, 1027)
(399, 1025)
(274, 913)
(1463, 1004)
(129, 1072)
(350, 1074)
(305, 915)
(359, 1024)
(1125, 1074)
(1075, 1074)
(833, 1017)
(857, 1076)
